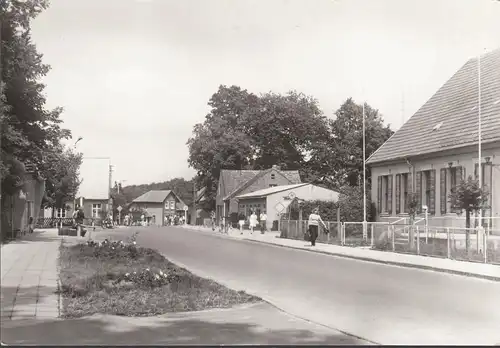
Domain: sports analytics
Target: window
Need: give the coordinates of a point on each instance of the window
(384, 196)
(428, 187)
(172, 205)
(167, 205)
(96, 210)
(273, 185)
(273, 176)
(402, 190)
(61, 213)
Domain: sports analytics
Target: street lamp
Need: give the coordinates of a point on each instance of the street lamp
(365, 231)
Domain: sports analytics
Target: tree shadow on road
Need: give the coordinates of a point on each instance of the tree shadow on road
(94, 330)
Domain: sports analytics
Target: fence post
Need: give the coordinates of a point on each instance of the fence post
(372, 242)
(485, 247)
(297, 228)
(418, 241)
(448, 249)
(393, 238)
(328, 234)
(342, 234)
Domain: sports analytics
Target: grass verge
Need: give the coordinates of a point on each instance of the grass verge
(122, 279)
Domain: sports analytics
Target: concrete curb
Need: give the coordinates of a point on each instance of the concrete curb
(393, 263)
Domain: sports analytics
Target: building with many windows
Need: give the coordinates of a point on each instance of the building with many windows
(438, 146)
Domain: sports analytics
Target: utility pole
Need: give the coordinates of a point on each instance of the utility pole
(193, 216)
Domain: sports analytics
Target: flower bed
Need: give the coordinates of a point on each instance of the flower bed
(122, 278)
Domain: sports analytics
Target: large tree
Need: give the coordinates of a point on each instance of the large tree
(246, 131)
(340, 159)
(61, 172)
(29, 130)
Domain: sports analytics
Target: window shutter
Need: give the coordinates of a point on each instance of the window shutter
(398, 193)
(389, 194)
(442, 190)
(432, 208)
(476, 172)
(460, 174)
(409, 189)
(379, 200)
(418, 188)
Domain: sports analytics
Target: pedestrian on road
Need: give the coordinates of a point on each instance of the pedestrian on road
(313, 225)
(253, 221)
(263, 218)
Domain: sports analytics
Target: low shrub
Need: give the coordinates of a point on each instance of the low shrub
(122, 278)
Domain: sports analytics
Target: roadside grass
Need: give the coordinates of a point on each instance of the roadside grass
(123, 279)
(440, 249)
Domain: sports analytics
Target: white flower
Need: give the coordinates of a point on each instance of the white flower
(135, 272)
(127, 274)
(113, 248)
(147, 269)
(161, 272)
(157, 276)
(133, 243)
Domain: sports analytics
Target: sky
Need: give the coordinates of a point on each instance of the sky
(135, 76)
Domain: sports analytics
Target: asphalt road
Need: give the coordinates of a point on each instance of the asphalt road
(381, 303)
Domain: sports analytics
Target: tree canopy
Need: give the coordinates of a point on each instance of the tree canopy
(29, 129)
(247, 131)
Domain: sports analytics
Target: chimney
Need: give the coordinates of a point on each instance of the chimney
(276, 167)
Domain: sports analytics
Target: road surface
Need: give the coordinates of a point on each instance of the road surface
(380, 303)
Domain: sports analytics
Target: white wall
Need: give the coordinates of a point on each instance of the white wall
(306, 192)
(95, 176)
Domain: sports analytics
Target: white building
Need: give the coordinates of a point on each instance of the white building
(275, 200)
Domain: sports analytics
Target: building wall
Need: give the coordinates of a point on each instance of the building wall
(47, 212)
(466, 158)
(265, 181)
(271, 202)
(87, 206)
(306, 192)
(17, 209)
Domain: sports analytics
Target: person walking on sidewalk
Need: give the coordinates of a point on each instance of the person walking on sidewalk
(313, 225)
(253, 221)
(263, 218)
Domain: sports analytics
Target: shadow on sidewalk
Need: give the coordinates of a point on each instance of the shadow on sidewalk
(36, 236)
(23, 296)
(105, 331)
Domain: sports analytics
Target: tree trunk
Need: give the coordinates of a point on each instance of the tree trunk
(467, 232)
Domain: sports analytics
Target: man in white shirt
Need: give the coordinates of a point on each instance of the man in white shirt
(313, 225)
(263, 221)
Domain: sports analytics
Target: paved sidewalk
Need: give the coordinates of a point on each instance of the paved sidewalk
(254, 324)
(480, 270)
(30, 277)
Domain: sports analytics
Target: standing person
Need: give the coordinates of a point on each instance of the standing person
(263, 221)
(253, 221)
(313, 225)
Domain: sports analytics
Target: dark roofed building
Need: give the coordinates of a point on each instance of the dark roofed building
(157, 204)
(238, 182)
(438, 146)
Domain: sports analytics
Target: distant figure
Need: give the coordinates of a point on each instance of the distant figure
(241, 222)
(263, 221)
(313, 224)
(253, 221)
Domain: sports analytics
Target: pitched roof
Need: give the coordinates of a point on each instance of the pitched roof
(153, 196)
(449, 119)
(270, 190)
(236, 180)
